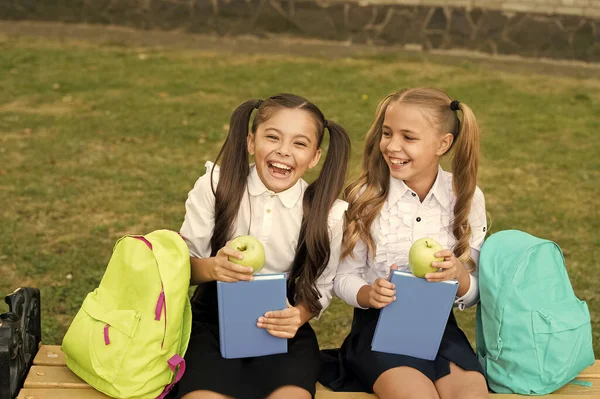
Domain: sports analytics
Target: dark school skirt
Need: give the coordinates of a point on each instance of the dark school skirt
(246, 378)
(355, 367)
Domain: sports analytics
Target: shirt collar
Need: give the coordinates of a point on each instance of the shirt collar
(398, 188)
(289, 198)
(440, 188)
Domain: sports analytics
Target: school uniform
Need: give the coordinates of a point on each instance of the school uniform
(275, 219)
(403, 219)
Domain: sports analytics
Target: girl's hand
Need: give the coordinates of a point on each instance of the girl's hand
(382, 291)
(452, 267)
(229, 272)
(281, 323)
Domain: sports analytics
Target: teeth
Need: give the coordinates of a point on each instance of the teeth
(280, 165)
(398, 162)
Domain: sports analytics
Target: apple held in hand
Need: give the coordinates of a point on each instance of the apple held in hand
(252, 250)
(421, 254)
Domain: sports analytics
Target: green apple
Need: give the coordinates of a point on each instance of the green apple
(421, 254)
(252, 250)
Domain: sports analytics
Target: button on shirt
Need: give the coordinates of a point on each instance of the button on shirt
(404, 219)
(273, 218)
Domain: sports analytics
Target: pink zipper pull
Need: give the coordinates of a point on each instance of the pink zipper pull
(106, 338)
(159, 305)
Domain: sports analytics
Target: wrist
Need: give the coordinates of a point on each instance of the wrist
(464, 280)
(363, 296)
(207, 270)
(305, 313)
(199, 270)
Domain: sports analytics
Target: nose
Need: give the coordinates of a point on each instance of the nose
(395, 144)
(283, 150)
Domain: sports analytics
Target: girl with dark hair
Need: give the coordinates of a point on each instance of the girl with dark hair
(300, 226)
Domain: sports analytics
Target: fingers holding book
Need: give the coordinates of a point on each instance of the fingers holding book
(381, 294)
(281, 323)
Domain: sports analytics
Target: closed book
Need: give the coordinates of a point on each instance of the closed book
(240, 305)
(415, 322)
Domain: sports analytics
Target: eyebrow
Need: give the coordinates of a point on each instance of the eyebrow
(401, 130)
(298, 135)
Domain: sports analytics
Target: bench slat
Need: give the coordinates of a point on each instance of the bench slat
(568, 391)
(47, 393)
(52, 355)
(355, 395)
(591, 372)
(53, 377)
(572, 389)
(49, 355)
(49, 378)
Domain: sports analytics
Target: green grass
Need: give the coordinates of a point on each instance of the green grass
(99, 141)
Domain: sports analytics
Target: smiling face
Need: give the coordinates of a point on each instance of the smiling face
(411, 145)
(284, 147)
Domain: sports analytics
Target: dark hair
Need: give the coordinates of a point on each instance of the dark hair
(313, 251)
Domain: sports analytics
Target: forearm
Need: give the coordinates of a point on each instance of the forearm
(200, 268)
(464, 283)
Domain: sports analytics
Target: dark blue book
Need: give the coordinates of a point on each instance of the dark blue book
(414, 323)
(240, 306)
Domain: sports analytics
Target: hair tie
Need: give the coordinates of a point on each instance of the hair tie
(258, 103)
(454, 105)
(325, 123)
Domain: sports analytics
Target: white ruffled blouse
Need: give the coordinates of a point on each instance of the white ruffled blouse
(404, 219)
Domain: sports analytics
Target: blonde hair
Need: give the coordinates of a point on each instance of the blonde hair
(368, 193)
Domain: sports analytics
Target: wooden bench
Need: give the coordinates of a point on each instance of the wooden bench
(49, 378)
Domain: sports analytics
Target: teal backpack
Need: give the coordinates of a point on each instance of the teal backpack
(533, 334)
(131, 333)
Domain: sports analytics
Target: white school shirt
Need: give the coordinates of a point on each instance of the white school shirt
(402, 221)
(273, 218)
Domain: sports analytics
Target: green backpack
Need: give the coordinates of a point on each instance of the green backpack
(131, 333)
(533, 334)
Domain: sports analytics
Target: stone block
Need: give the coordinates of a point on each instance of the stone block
(492, 24)
(584, 41)
(438, 20)
(403, 28)
(313, 20)
(462, 32)
(539, 35)
(476, 15)
(593, 54)
(436, 41)
(357, 16)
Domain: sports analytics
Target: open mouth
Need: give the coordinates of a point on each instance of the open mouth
(279, 169)
(399, 162)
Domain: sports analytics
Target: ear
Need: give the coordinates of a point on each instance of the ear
(250, 143)
(316, 158)
(444, 144)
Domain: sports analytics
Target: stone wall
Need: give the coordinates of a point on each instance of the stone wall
(566, 7)
(561, 29)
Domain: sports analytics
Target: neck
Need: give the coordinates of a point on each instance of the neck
(423, 184)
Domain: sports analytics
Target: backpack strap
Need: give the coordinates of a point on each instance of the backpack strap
(174, 361)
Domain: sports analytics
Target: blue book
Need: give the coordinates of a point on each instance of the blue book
(414, 323)
(240, 306)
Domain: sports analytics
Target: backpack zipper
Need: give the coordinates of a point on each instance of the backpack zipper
(161, 303)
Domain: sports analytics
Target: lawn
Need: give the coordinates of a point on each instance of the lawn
(98, 141)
